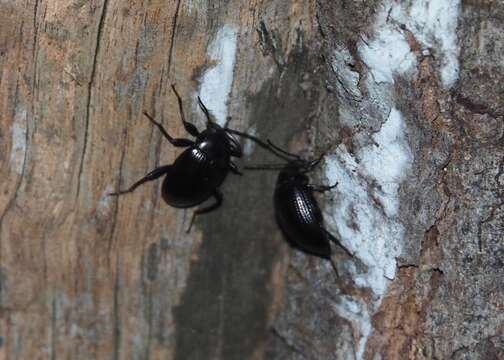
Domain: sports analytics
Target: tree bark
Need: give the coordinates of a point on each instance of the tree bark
(406, 100)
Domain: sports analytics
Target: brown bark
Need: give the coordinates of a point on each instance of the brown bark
(84, 275)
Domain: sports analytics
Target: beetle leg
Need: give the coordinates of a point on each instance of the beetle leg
(153, 175)
(314, 163)
(190, 128)
(321, 188)
(337, 242)
(235, 147)
(178, 142)
(234, 168)
(335, 268)
(218, 202)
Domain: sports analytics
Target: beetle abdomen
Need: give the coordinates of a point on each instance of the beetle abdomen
(193, 179)
(300, 218)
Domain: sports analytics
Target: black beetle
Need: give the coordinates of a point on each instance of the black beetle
(296, 208)
(198, 171)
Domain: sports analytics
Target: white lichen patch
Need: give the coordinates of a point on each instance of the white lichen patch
(386, 161)
(217, 81)
(365, 212)
(432, 23)
(388, 54)
(374, 175)
(18, 149)
(355, 311)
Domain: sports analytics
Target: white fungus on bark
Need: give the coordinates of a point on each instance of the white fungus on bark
(433, 25)
(217, 81)
(388, 54)
(365, 211)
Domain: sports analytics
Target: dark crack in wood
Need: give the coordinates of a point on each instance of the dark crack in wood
(172, 37)
(91, 83)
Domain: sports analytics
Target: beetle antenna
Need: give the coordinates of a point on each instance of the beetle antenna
(333, 264)
(265, 167)
(338, 243)
(270, 143)
(205, 110)
(179, 100)
(260, 142)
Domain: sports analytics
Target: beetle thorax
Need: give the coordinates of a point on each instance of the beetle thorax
(214, 143)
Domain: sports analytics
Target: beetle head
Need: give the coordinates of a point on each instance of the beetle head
(294, 172)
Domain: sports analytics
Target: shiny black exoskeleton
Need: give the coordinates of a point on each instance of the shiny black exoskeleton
(198, 171)
(296, 208)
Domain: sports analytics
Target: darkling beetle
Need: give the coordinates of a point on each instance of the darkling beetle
(198, 171)
(296, 208)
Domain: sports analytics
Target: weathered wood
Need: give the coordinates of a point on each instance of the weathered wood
(405, 98)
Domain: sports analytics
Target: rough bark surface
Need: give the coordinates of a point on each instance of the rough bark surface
(416, 142)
